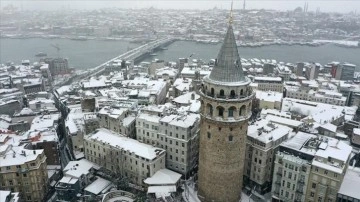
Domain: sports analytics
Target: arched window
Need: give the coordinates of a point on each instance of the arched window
(220, 111)
(241, 92)
(222, 93)
(231, 138)
(231, 111)
(242, 110)
(232, 94)
(209, 109)
(212, 92)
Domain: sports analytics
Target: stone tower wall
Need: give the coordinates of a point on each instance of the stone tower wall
(223, 143)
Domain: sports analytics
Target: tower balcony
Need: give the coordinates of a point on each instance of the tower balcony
(225, 98)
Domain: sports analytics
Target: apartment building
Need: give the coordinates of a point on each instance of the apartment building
(263, 139)
(117, 119)
(123, 156)
(182, 146)
(177, 133)
(328, 169)
(269, 84)
(315, 172)
(292, 167)
(24, 171)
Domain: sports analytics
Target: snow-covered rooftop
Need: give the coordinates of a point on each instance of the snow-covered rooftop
(128, 144)
(163, 177)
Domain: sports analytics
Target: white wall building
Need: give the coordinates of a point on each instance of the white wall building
(123, 156)
(177, 133)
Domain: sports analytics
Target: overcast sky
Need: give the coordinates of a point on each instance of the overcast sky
(324, 5)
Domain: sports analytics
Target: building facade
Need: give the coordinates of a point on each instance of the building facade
(178, 134)
(269, 84)
(123, 156)
(225, 109)
(24, 171)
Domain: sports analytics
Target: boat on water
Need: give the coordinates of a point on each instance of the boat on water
(41, 54)
(163, 48)
(153, 54)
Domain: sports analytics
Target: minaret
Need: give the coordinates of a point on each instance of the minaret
(225, 110)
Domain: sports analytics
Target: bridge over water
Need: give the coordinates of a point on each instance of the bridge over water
(132, 55)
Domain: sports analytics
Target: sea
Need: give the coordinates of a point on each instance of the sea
(91, 53)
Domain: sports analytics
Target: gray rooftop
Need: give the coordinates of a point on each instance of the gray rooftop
(228, 66)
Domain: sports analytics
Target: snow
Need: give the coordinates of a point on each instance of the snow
(269, 96)
(4, 195)
(163, 177)
(186, 98)
(98, 186)
(162, 191)
(269, 132)
(327, 167)
(149, 117)
(94, 83)
(182, 84)
(258, 78)
(26, 111)
(298, 141)
(18, 155)
(336, 149)
(284, 121)
(128, 144)
(351, 183)
(181, 120)
(68, 180)
(78, 168)
(329, 127)
(356, 131)
(44, 121)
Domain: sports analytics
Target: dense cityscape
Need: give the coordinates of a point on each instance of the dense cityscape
(228, 129)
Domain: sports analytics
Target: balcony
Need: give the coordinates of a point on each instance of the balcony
(279, 173)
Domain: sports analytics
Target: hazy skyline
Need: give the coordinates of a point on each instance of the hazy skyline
(324, 5)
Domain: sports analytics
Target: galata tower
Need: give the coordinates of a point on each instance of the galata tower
(225, 109)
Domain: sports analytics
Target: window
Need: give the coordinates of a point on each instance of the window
(325, 172)
(288, 185)
(209, 135)
(222, 93)
(259, 161)
(312, 194)
(230, 138)
(313, 185)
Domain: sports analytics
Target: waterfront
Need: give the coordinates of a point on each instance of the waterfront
(88, 54)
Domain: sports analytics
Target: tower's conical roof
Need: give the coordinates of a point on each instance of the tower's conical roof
(228, 66)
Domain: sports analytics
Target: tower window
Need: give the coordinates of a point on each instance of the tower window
(220, 111)
(209, 135)
(230, 138)
(232, 94)
(231, 111)
(241, 92)
(212, 92)
(222, 93)
(209, 109)
(242, 110)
